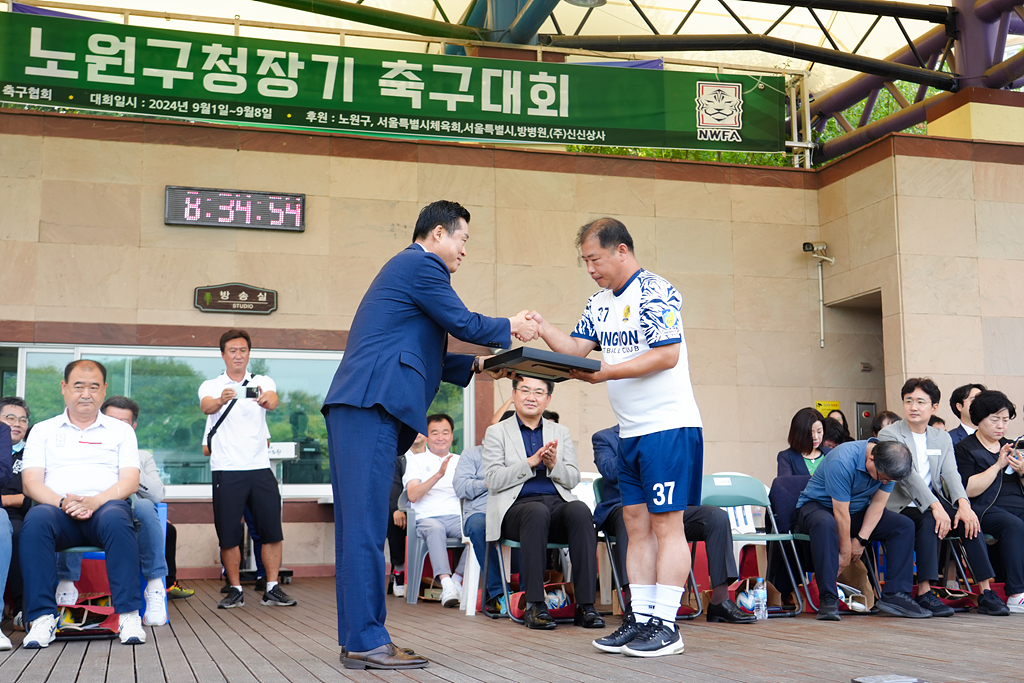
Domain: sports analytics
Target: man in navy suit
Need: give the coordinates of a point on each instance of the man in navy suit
(960, 402)
(395, 359)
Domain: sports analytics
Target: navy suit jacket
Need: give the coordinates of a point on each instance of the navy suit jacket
(6, 461)
(792, 464)
(958, 434)
(397, 351)
(606, 457)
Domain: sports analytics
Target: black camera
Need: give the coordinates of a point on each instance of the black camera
(252, 392)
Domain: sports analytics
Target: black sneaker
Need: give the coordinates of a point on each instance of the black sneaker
(260, 585)
(828, 609)
(655, 639)
(930, 601)
(234, 598)
(902, 605)
(989, 603)
(626, 632)
(277, 597)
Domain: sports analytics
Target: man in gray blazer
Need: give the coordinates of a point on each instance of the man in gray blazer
(530, 468)
(932, 493)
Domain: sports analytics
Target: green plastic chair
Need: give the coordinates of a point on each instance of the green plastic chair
(734, 490)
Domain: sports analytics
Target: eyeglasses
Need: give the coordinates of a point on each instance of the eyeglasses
(539, 393)
(13, 419)
(919, 402)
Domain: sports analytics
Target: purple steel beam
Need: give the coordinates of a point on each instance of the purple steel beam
(847, 94)
(1004, 73)
(912, 115)
(869, 105)
(974, 44)
(989, 11)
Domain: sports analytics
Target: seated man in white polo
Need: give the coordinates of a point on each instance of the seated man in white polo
(79, 467)
(428, 484)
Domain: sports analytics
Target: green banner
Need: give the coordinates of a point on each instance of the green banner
(152, 72)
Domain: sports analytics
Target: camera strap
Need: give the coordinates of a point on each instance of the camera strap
(231, 404)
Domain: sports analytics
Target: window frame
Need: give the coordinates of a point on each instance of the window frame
(321, 492)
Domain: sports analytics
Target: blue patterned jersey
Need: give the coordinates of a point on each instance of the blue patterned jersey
(625, 324)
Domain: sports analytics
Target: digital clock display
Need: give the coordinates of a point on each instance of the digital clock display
(235, 209)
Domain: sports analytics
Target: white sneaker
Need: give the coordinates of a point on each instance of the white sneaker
(451, 595)
(67, 598)
(130, 629)
(398, 590)
(156, 608)
(42, 633)
(5, 642)
(457, 580)
(1016, 604)
(19, 622)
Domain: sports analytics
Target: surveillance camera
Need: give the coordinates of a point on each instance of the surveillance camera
(814, 246)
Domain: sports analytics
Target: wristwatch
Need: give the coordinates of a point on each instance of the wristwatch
(863, 543)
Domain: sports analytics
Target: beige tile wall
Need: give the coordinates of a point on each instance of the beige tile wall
(87, 232)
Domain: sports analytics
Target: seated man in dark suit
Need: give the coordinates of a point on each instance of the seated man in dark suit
(960, 403)
(703, 523)
(530, 468)
(843, 509)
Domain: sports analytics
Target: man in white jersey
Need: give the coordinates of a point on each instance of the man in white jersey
(635, 322)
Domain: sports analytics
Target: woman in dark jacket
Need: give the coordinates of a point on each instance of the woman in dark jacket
(991, 472)
(805, 451)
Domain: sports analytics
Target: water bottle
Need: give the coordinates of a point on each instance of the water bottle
(760, 600)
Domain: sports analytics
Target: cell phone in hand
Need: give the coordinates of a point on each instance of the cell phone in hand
(252, 392)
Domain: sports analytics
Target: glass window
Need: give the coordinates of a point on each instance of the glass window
(44, 371)
(164, 382)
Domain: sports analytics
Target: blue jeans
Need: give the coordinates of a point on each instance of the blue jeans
(152, 559)
(475, 527)
(47, 530)
(6, 546)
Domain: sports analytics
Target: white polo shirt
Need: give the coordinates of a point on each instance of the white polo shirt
(81, 461)
(241, 440)
(441, 499)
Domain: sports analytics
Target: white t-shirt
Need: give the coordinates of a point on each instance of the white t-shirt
(440, 500)
(241, 440)
(81, 461)
(921, 463)
(643, 315)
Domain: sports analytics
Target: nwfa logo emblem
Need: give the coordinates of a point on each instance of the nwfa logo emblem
(719, 111)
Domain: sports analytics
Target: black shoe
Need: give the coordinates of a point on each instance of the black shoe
(902, 605)
(729, 612)
(989, 603)
(537, 617)
(234, 598)
(626, 632)
(261, 585)
(587, 617)
(225, 589)
(277, 598)
(828, 608)
(931, 602)
(655, 639)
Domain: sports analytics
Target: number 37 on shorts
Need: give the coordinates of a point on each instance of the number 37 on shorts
(663, 493)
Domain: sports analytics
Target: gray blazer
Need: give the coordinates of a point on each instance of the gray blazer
(943, 467)
(468, 482)
(506, 469)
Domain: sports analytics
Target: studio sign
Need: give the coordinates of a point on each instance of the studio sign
(235, 297)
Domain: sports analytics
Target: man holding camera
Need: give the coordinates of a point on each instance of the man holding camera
(237, 441)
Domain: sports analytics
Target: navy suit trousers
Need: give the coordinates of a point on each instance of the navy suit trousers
(363, 445)
(894, 530)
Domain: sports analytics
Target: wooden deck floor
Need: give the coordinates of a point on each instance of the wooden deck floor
(299, 645)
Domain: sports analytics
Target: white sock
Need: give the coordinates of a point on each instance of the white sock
(399, 569)
(65, 586)
(237, 587)
(270, 585)
(447, 583)
(457, 578)
(642, 602)
(666, 603)
(155, 586)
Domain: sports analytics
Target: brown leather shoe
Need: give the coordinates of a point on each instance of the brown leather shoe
(386, 656)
